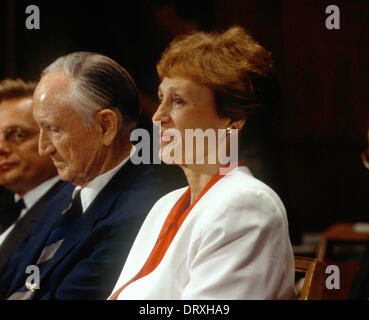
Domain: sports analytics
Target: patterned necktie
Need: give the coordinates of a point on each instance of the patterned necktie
(13, 214)
(62, 227)
(70, 214)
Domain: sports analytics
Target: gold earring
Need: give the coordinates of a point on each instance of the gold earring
(229, 129)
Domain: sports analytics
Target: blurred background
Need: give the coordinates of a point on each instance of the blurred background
(312, 158)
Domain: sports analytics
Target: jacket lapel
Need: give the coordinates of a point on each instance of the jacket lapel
(48, 219)
(25, 225)
(98, 209)
(33, 214)
(29, 254)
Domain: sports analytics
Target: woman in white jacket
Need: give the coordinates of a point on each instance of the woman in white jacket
(225, 236)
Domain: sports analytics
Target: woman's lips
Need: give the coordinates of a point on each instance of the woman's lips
(165, 136)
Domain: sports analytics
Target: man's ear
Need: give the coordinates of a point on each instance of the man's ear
(108, 123)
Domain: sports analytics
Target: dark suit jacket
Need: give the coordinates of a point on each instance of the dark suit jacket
(24, 226)
(6, 197)
(89, 261)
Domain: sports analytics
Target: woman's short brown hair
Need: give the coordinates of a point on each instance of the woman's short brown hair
(232, 64)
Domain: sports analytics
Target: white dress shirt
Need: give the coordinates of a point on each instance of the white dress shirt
(30, 198)
(234, 244)
(89, 192)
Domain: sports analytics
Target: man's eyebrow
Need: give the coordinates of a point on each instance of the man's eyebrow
(16, 127)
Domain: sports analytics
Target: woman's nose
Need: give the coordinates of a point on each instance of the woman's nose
(161, 114)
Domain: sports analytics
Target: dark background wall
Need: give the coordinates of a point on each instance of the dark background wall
(313, 153)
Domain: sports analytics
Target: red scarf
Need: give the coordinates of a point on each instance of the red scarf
(172, 224)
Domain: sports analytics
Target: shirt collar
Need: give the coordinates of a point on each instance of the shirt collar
(89, 193)
(31, 197)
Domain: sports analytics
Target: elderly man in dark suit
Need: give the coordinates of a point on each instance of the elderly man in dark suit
(31, 177)
(86, 106)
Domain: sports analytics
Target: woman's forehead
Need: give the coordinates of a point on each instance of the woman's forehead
(180, 84)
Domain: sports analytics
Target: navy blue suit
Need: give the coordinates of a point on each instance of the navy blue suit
(89, 261)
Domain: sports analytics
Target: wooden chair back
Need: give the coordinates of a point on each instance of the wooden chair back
(314, 273)
(315, 276)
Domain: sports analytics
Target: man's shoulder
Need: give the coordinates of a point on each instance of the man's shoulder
(146, 177)
(56, 199)
(63, 190)
(145, 189)
(52, 190)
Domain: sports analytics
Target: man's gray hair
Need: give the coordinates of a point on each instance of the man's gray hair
(98, 82)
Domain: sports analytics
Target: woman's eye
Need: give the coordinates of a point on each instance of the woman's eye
(175, 100)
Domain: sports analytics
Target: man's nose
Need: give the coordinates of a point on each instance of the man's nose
(44, 145)
(4, 145)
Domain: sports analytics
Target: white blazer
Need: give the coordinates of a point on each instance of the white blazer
(234, 244)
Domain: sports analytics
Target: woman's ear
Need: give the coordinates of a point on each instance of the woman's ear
(108, 123)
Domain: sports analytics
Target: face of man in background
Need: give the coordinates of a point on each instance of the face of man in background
(21, 167)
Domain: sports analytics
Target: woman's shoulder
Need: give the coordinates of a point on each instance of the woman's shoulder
(241, 197)
(242, 185)
(241, 207)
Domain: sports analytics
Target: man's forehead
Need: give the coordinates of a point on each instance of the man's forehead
(53, 83)
(17, 113)
(19, 106)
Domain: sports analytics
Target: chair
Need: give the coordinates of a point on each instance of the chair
(313, 271)
(315, 276)
(345, 238)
